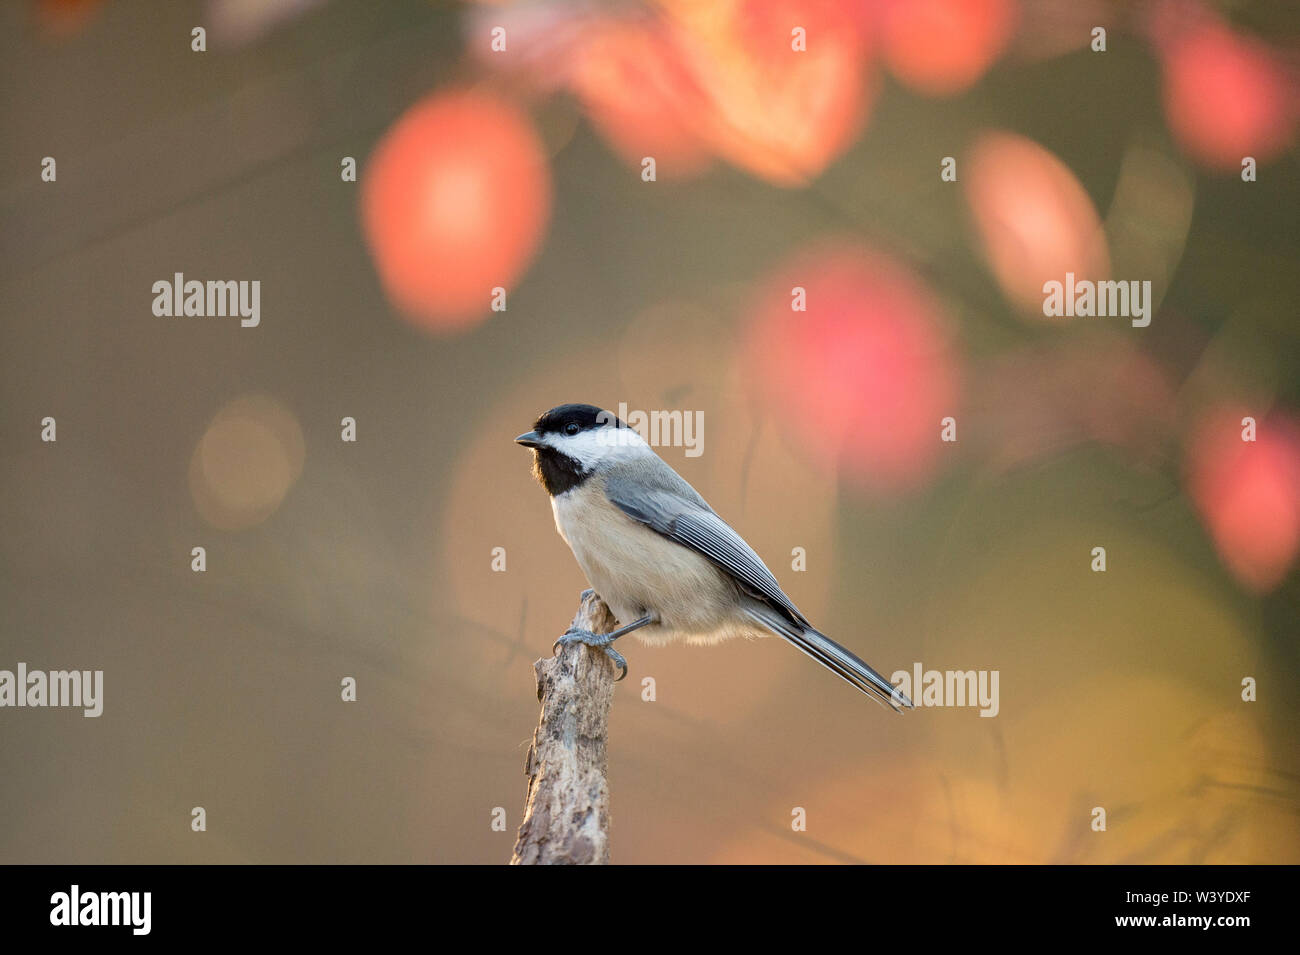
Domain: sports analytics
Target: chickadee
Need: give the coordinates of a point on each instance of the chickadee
(662, 561)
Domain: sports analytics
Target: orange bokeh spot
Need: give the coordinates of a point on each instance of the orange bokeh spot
(454, 202)
(1226, 96)
(1248, 493)
(781, 114)
(638, 94)
(249, 457)
(775, 87)
(863, 378)
(1035, 219)
(940, 47)
(65, 17)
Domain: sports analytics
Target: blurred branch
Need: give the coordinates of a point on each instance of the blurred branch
(566, 816)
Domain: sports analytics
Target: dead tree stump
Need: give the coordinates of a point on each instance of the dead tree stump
(566, 816)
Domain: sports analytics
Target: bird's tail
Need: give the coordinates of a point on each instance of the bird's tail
(832, 656)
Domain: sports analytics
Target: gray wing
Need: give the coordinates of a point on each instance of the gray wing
(651, 492)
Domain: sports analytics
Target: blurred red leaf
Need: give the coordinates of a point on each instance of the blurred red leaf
(1226, 95)
(454, 201)
(781, 114)
(778, 88)
(639, 95)
(1248, 493)
(863, 378)
(1035, 219)
(941, 47)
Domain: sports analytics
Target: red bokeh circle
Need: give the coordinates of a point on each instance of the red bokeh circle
(454, 202)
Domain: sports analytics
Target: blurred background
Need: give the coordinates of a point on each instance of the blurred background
(794, 144)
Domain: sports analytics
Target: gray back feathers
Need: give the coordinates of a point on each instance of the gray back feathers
(649, 491)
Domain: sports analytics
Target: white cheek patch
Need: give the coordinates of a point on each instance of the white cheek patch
(596, 445)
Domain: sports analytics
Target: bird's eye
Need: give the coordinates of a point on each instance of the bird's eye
(571, 428)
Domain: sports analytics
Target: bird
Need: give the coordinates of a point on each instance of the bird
(667, 566)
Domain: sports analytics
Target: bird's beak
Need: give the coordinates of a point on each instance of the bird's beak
(529, 439)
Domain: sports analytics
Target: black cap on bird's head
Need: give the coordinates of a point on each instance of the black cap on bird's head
(568, 420)
(559, 461)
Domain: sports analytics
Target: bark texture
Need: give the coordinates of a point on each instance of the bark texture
(566, 816)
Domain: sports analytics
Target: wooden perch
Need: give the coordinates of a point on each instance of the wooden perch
(566, 816)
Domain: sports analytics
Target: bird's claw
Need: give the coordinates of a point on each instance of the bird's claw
(619, 661)
(600, 641)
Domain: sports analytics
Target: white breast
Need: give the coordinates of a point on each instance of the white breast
(636, 570)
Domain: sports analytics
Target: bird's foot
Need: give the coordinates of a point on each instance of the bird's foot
(602, 641)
